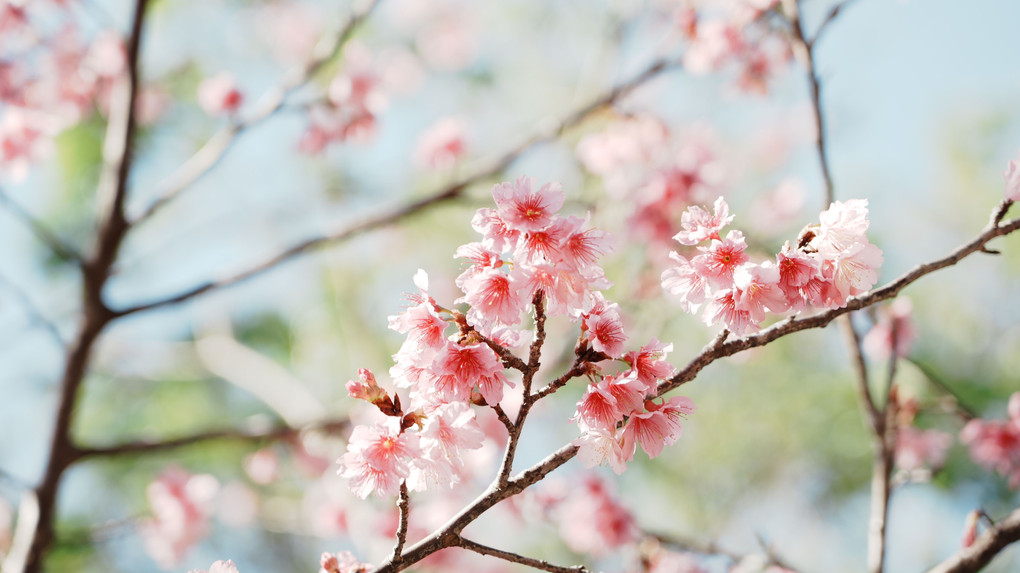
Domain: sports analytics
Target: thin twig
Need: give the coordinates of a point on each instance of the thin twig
(33, 312)
(516, 558)
(828, 20)
(503, 418)
(404, 505)
(399, 213)
(929, 374)
(41, 231)
(157, 446)
(974, 558)
(271, 102)
(863, 385)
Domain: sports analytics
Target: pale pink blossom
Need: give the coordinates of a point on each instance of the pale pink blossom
(450, 428)
(181, 505)
(843, 225)
(757, 290)
(855, 270)
(597, 447)
(494, 297)
(697, 225)
(716, 43)
(718, 260)
(633, 141)
(665, 561)
(582, 249)
(598, 409)
(378, 458)
(263, 466)
(365, 387)
(441, 145)
(524, 208)
(343, 562)
(219, 567)
(686, 282)
(656, 426)
(921, 448)
(1012, 175)
(893, 333)
(605, 327)
(218, 95)
(723, 308)
(496, 235)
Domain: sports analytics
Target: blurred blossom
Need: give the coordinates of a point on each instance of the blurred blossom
(25, 137)
(893, 332)
(343, 562)
(995, 444)
(916, 449)
(1012, 175)
(970, 528)
(218, 95)
(263, 466)
(665, 561)
(776, 210)
(237, 504)
(592, 521)
(180, 504)
(441, 145)
(291, 28)
(447, 33)
(220, 567)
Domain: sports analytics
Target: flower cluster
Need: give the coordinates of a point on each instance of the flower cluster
(995, 444)
(530, 259)
(832, 261)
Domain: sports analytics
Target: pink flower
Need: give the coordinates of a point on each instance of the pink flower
(343, 562)
(592, 521)
(220, 567)
(598, 409)
(855, 270)
(180, 505)
(921, 448)
(496, 235)
(605, 329)
(1012, 175)
(650, 363)
(995, 444)
(684, 281)
(657, 426)
(365, 387)
(796, 270)
(723, 308)
(598, 446)
(450, 428)
(378, 458)
(218, 95)
(441, 145)
(720, 259)
(525, 209)
(494, 297)
(459, 369)
(894, 331)
(843, 225)
(583, 249)
(757, 290)
(696, 225)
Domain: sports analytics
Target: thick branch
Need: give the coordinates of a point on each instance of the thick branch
(515, 558)
(271, 102)
(985, 548)
(399, 213)
(33, 538)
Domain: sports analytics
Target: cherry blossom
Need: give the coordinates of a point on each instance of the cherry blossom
(921, 448)
(343, 562)
(1012, 175)
(180, 504)
(378, 458)
(441, 145)
(995, 444)
(893, 333)
(592, 521)
(218, 95)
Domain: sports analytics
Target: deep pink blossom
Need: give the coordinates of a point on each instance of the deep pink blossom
(650, 364)
(995, 444)
(718, 260)
(598, 409)
(459, 369)
(605, 328)
(723, 308)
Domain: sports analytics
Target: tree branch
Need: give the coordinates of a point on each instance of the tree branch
(515, 558)
(404, 505)
(34, 532)
(271, 102)
(829, 19)
(401, 212)
(139, 447)
(985, 548)
(41, 231)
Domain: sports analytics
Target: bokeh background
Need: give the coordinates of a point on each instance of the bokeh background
(921, 103)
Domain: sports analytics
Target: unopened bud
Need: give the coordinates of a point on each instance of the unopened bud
(970, 528)
(365, 387)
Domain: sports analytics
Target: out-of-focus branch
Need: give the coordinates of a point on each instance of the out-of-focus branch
(34, 532)
(516, 558)
(401, 212)
(830, 17)
(709, 548)
(962, 409)
(271, 102)
(984, 549)
(141, 447)
(33, 312)
(42, 232)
